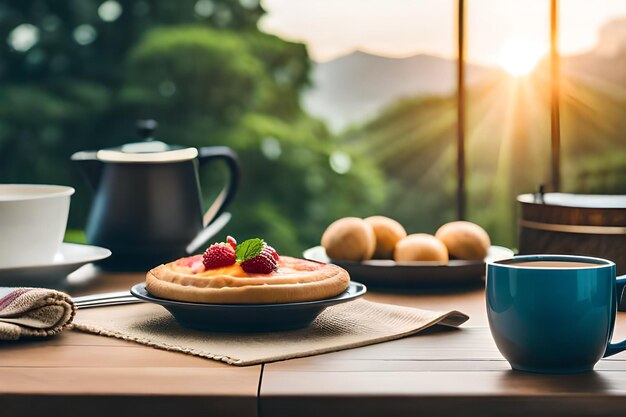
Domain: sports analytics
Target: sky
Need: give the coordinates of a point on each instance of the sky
(398, 28)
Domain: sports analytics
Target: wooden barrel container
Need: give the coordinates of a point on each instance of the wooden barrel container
(574, 224)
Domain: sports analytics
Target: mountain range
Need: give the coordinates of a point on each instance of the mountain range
(354, 88)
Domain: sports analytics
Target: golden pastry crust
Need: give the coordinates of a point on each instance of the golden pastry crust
(295, 280)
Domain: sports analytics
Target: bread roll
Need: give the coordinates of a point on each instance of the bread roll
(464, 240)
(349, 238)
(388, 232)
(420, 247)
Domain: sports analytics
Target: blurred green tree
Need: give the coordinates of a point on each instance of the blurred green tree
(76, 74)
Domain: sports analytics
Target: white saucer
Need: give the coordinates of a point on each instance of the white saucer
(70, 257)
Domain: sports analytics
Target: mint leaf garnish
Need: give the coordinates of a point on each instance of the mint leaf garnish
(249, 249)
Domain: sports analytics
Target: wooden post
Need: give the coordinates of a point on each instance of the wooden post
(555, 123)
(460, 163)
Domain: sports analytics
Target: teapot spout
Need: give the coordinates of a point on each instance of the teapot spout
(90, 166)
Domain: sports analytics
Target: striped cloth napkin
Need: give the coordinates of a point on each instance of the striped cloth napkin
(29, 312)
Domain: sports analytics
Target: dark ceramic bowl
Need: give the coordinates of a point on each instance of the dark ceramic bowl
(248, 317)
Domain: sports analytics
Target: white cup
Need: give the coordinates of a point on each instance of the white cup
(33, 219)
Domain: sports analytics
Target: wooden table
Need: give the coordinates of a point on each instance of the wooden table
(437, 373)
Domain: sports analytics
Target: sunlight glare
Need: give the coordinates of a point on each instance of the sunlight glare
(519, 56)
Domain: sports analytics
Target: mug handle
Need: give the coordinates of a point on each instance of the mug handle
(215, 213)
(614, 348)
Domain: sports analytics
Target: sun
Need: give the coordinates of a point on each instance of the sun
(519, 56)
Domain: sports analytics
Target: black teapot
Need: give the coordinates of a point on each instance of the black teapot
(147, 207)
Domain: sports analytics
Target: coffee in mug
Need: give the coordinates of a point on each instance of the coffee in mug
(553, 313)
(554, 264)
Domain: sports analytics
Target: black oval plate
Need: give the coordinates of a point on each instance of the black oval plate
(388, 274)
(248, 317)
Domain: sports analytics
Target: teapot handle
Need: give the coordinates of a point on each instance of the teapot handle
(209, 153)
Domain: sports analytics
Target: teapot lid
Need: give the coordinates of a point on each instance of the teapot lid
(147, 151)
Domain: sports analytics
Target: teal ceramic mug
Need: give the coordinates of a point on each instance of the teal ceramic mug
(553, 313)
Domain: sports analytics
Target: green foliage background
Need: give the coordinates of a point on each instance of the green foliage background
(209, 76)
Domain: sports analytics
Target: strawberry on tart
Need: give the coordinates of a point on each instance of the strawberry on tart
(249, 273)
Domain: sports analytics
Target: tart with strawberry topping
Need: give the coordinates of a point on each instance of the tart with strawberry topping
(248, 273)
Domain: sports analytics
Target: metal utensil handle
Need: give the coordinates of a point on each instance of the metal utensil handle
(105, 300)
(115, 302)
(102, 296)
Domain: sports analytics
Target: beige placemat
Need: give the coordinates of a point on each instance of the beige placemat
(345, 326)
